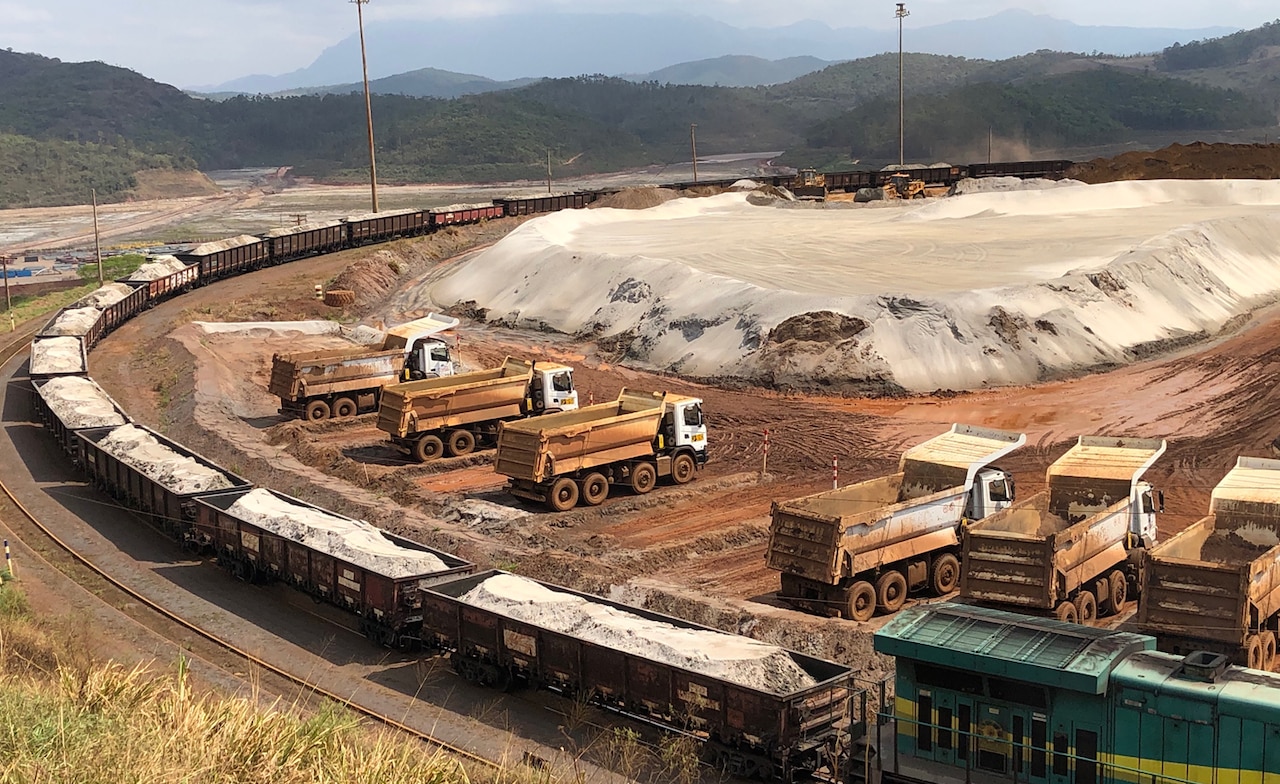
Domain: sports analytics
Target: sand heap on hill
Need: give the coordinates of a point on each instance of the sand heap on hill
(955, 293)
(731, 657)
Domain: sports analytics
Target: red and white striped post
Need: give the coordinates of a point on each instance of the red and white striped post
(835, 473)
(591, 398)
(764, 462)
(8, 560)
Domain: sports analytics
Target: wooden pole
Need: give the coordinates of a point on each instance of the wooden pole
(368, 106)
(548, 171)
(693, 144)
(8, 303)
(97, 246)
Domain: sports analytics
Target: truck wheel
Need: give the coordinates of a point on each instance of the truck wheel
(1086, 606)
(946, 574)
(1066, 612)
(891, 591)
(682, 468)
(461, 442)
(429, 447)
(344, 407)
(317, 411)
(643, 477)
(595, 488)
(1268, 650)
(862, 601)
(1253, 646)
(563, 495)
(1119, 591)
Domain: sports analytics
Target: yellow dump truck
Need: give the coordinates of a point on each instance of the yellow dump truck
(561, 459)
(1215, 586)
(1074, 550)
(453, 414)
(861, 548)
(343, 382)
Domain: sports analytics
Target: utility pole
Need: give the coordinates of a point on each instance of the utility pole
(548, 171)
(8, 303)
(901, 13)
(693, 144)
(97, 245)
(990, 133)
(368, 105)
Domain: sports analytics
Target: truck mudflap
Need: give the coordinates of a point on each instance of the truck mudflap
(531, 491)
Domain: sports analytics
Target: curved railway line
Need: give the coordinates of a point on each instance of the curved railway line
(166, 621)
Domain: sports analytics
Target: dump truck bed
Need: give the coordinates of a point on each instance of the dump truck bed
(539, 448)
(450, 401)
(1210, 580)
(332, 370)
(915, 510)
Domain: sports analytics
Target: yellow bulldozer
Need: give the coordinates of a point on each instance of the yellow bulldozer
(901, 186)
(810, 185)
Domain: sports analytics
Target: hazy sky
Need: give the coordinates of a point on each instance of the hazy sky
(211, 41)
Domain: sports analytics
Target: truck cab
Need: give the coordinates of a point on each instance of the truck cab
(1145, 503)
(428, 358)
(551, 389)
(684, 428)
(992, 492)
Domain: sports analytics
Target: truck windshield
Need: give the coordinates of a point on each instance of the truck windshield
(693, 415)
(562, 382)
(999, 490)
(439, 353)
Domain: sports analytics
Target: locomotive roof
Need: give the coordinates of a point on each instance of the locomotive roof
(994, 642)
(1173, 686)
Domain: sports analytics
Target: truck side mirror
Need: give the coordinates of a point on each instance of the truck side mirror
(1160, 498)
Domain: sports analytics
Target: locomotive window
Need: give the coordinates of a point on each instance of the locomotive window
(966, 728)
(1017, 693)
(1060, 748)
(1019, 739)
(944, 728)
(949, 679)
(924, 723)
(1086, 756)
(1038, 729)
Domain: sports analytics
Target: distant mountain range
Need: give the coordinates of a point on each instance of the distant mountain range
(513, 47)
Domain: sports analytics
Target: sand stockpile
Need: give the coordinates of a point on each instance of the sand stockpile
(73, 321)
(963, 292)
(353, 541)
(179, 473)
(730, 657)
(636, 199)
(52, 356)
(108, 294)
(79, 403)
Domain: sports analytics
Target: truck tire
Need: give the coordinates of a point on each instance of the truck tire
(1268, 650)
(643, 477)
(344, 407)
(461, 442)
(1066, 612)
(946, 574)
(563, 495)
(428, 447)
(1119, 598)
(1253, 649)
(317, 411)
(891, 591)
(594, 489)
(862, 602)
(1086, 606)
(683, 468)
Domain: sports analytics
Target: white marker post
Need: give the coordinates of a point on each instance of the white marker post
(835, 473)
(764, 463)
(8, 561)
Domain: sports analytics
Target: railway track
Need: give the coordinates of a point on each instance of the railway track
(206, 645)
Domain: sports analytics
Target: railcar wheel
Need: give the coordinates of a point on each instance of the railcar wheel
(946, 574)
(1119, 591)
(682, 468)
(1066, 612)
(461, 442)
(563, 495)
(1268, 650)
(428, 447)
(594, 489)
(1086, 606)
(344, 407)
(1253, 646)
(317, 411)
(643, 477)
(891, 591)
(862, 601)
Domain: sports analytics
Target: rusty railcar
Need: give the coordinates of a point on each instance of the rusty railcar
(461, 215)
(537, 205)
(308, 239)
(65, 427)
(224, 258)
(380, 226)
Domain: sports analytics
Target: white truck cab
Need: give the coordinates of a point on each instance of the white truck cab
(427, 354)
(992, 491)
(552, 389)
(686, 427)
(1145, 503)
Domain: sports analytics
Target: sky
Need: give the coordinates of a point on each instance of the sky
(202, 43)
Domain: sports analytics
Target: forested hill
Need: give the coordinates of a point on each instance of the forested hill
(68, 126)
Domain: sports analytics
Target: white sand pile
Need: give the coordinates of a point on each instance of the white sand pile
(353, 541)
(960, 293)
(1004, 184)
(161, 267)
(365, 335)
(179, 473)
(264, 328)
(50, 356)
(79, 403)
(73, 321)
(741, 660)
(108, 294)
